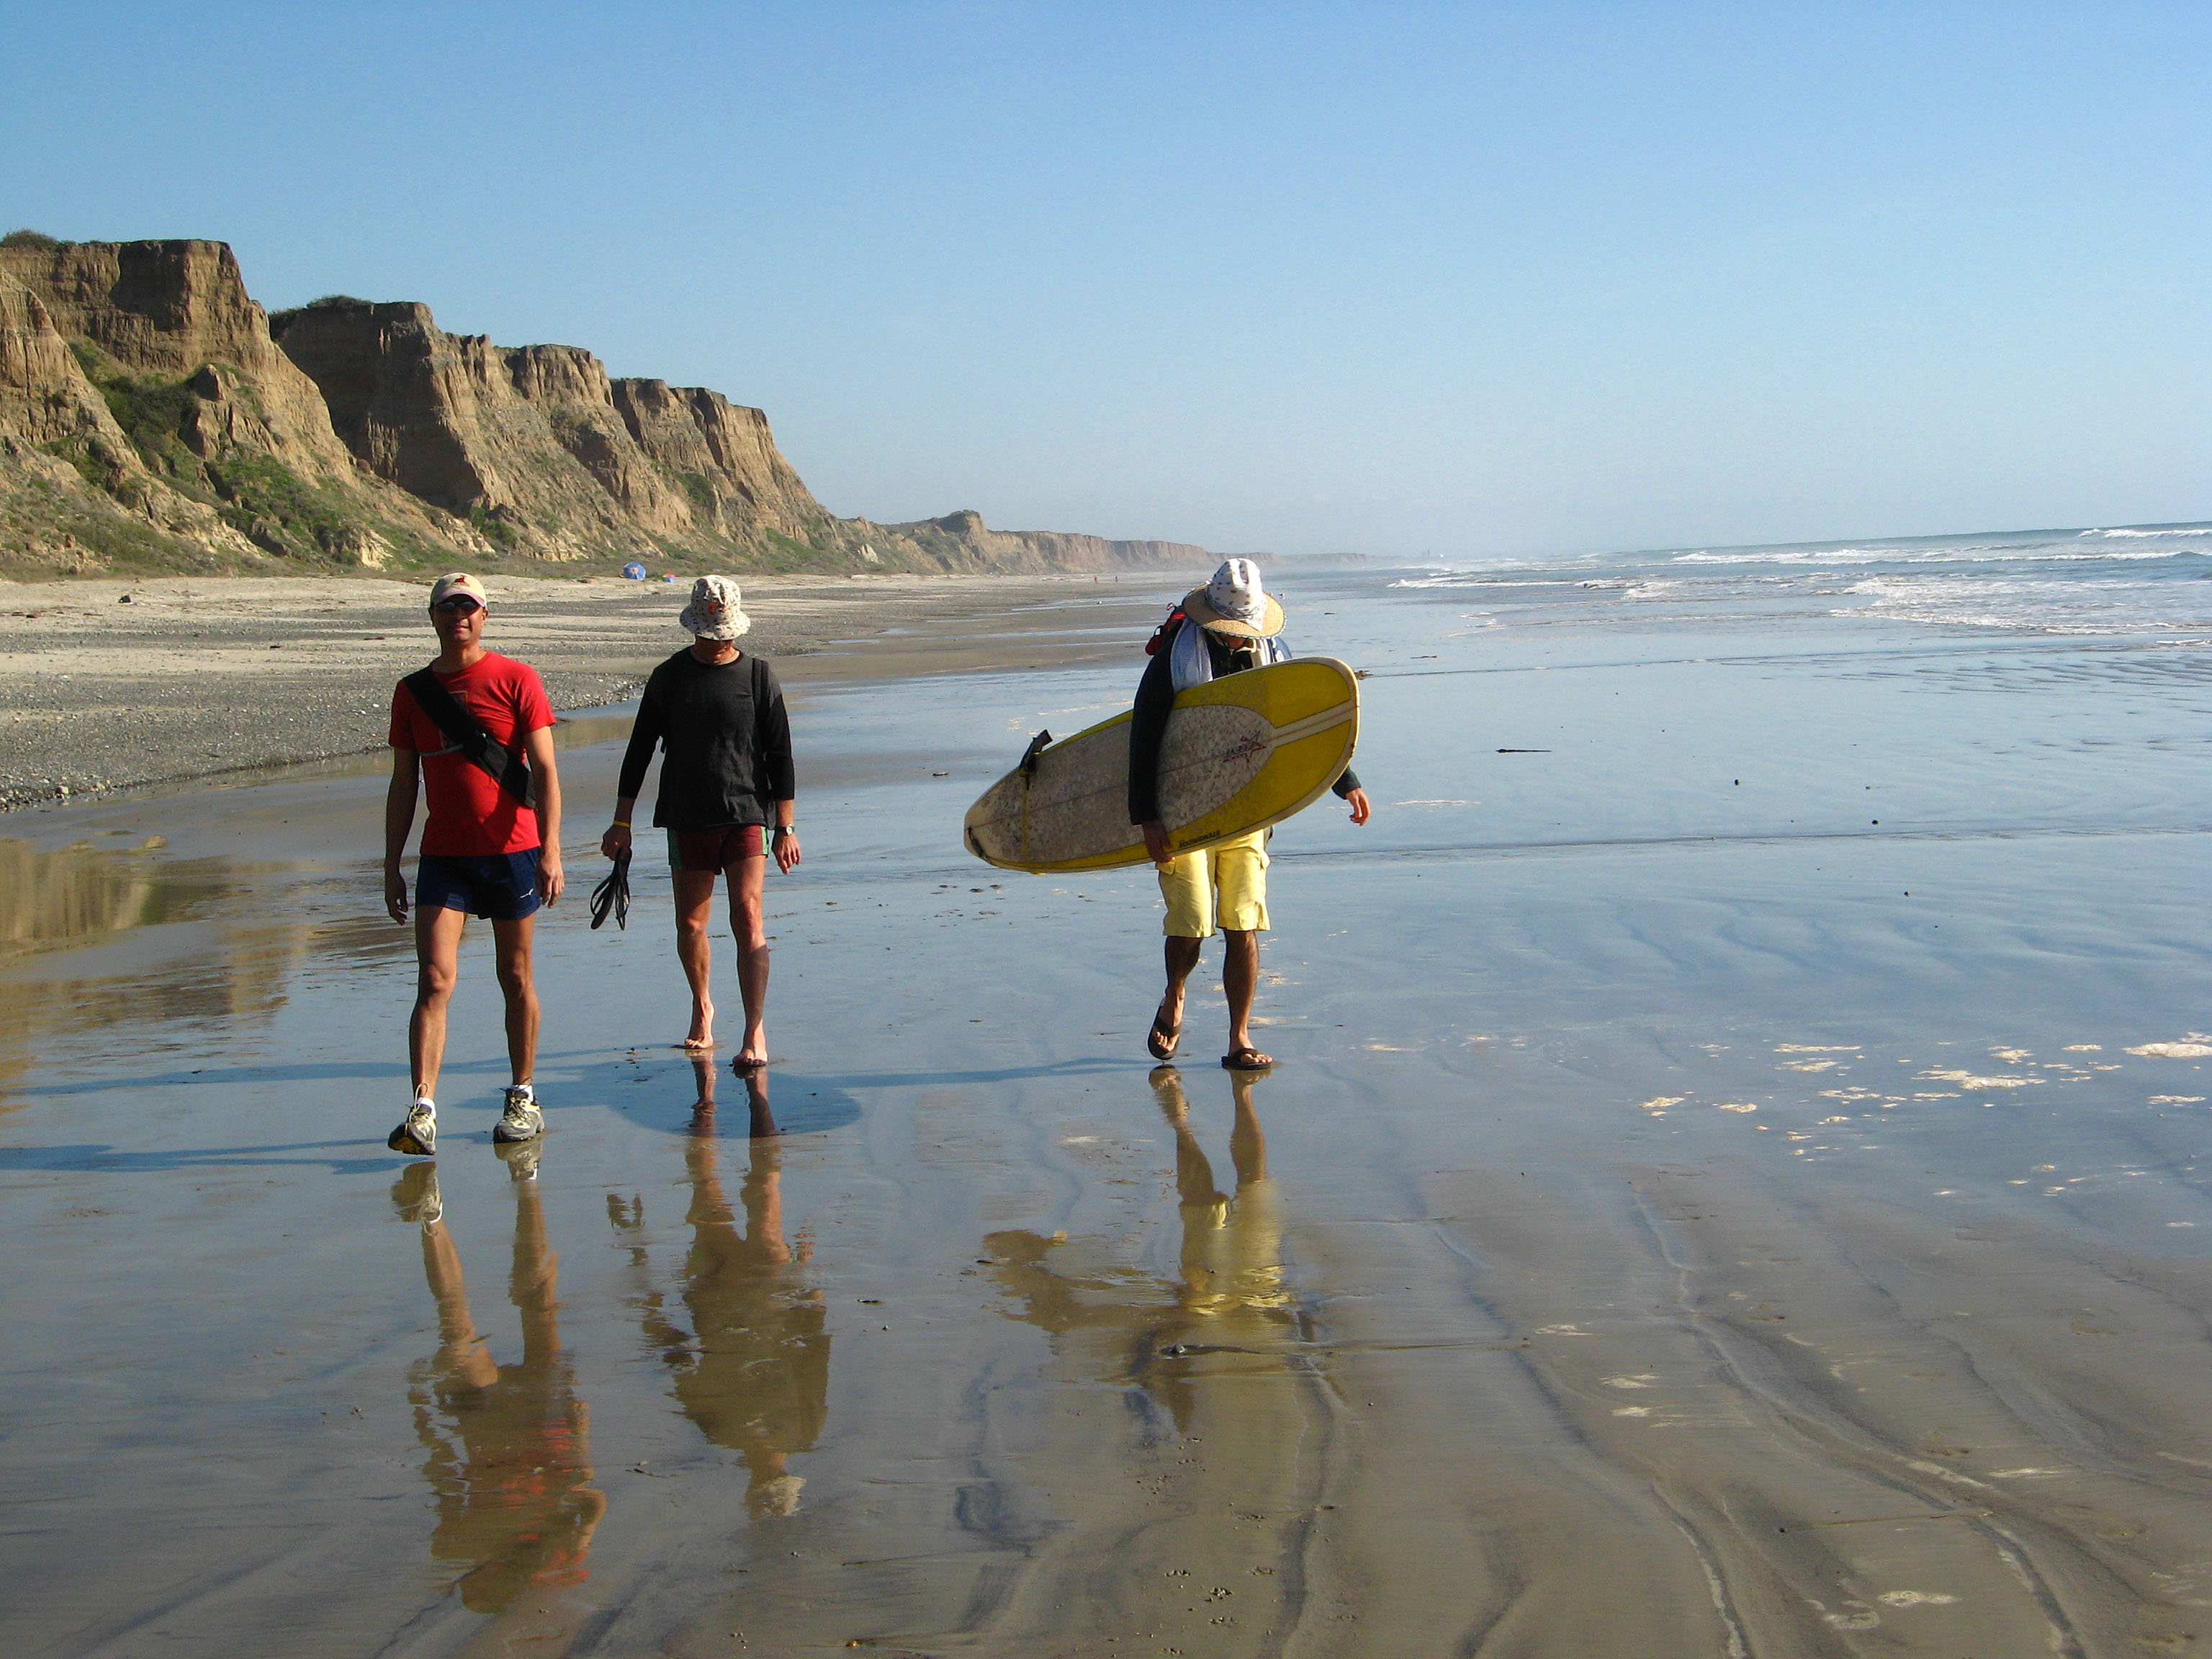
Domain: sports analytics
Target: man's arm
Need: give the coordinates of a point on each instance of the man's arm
(1148, 725)
(545, 801)
(645, 734)
(398, 819)
(772, 738)
(1349, 792)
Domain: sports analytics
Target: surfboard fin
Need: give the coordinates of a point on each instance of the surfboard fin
(1027, 768)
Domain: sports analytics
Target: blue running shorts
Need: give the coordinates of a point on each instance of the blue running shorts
(497, 886)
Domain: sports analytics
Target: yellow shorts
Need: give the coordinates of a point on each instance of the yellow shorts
(1227, 883)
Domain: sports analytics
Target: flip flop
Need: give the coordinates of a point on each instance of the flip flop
(1164, 1039)
(612, 895)
(1247, 1059)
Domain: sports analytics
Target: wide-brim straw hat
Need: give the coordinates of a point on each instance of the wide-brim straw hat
(713, 612)
(1214, 605)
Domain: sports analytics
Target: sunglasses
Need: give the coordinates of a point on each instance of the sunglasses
(460, 606)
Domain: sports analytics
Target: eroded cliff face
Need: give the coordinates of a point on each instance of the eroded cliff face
(538, 446)
(45, 397)
(962, 541)
(152, 412)
(226, 448)
(166, 310)
(725, 454)
(71, 481)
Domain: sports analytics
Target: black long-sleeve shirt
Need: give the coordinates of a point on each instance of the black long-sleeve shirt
(727, 739)
(1149, 724)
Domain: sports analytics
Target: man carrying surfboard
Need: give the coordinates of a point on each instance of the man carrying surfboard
(1227, 626)
(726, 790)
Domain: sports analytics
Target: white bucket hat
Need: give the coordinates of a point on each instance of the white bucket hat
(713, 613)
(1234, 602)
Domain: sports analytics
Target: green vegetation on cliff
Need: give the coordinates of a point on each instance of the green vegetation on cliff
(283, 515)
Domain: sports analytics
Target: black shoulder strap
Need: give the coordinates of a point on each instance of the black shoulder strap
(507, 769)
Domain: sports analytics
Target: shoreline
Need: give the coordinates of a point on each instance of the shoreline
(199, 677)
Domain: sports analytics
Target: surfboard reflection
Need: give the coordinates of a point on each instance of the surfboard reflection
(753, 1369)
(508, 1446)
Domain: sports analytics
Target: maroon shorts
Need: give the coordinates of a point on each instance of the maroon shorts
(713, 849)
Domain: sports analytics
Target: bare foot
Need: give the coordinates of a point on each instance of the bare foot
(703, 1027)
(754, 1055)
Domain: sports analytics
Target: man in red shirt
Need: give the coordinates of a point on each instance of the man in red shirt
(491, 848)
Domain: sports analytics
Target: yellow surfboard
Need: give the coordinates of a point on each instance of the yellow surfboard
(1240, 753)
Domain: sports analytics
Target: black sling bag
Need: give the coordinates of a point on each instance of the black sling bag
(507, 769)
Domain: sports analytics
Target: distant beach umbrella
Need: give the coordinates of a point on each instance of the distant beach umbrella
(634, 572)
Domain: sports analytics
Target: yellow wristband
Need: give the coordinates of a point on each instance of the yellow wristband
(622, 823)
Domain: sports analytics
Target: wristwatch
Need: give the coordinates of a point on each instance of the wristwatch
(786, 828)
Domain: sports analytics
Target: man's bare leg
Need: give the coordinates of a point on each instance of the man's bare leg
(694, 912)
(511, 943)
(437, 956)
(1182, 955)
(748, 880)
(1240, 978)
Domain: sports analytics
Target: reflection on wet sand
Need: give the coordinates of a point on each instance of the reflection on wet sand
(66, 897)
(510, 1451)
(1228, 1299)
(232, 976)
(1180, 1517)
(753, 1370)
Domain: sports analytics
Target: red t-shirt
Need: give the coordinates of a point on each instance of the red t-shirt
(470, 816)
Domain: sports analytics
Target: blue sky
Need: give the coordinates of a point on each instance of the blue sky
(1395, 279)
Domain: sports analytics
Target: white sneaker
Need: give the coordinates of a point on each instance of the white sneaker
(519, 1119)
(418, 1133)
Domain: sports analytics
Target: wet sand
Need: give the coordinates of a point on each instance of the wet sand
(111, 683)
(1661, 1234)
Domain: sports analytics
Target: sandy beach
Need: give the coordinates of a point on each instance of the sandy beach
(1733, 1180)
(108, 684)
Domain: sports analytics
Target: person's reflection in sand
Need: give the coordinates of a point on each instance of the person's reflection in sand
(753, 1371)
(509, 1446)
(1218, 1504)
(1230, 1300)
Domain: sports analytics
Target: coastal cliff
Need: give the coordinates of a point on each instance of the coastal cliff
(537, 447)
(154, 416)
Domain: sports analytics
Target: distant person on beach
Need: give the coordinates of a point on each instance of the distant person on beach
(1227, 626)
(491, 844)
(727, 779)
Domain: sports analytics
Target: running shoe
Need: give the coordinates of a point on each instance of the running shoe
(519, 1119)
(415, 1194)
(418, 1133)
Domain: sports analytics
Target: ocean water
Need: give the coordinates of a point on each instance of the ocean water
(2136, 581)
(1734, 1178)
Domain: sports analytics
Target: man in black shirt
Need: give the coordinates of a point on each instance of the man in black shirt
(1229, 625)
(725, 775)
